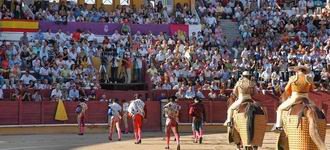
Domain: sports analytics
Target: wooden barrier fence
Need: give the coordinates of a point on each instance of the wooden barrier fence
(22, 113)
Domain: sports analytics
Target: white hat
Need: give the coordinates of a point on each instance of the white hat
(246, 73)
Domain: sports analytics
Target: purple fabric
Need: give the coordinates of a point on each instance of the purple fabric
(146, 28)
(103, 28)
(96, 28)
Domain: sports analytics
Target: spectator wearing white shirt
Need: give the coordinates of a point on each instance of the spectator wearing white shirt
(56, 93)
(27, 77)
(45, 72)
(212, 94)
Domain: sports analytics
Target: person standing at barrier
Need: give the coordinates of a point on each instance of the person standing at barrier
(197, 112)
(114, 116)
(137, 110)
(81, 110)
(171, 111)
(125, 115)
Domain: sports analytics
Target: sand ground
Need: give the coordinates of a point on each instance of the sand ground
(151, 141)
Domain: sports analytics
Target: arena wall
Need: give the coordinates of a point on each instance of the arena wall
(24, 113)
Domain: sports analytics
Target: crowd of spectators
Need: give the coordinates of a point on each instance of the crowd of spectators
(272, 42)
(275, 40)
(65, 12)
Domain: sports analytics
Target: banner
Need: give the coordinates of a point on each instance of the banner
(96, 28)
(194, 28)
(179, 28)
(19, 25)
(154, 28)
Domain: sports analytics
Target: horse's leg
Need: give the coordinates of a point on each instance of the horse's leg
(238, 146)
(248, 148)
(255, 147)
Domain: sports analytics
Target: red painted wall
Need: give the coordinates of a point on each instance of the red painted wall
(17, 112)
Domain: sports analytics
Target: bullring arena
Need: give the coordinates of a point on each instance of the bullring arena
(123, 74)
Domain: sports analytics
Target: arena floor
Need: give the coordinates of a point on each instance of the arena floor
(151, 141)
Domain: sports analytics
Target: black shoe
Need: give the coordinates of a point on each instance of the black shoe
(138, 142)
(200, 140)
(167, 147)
(80, 133)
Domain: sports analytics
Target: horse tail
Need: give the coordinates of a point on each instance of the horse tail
(250, 112)
(313, 131)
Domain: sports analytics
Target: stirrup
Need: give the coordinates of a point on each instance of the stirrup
(229, 124)
(277, 129)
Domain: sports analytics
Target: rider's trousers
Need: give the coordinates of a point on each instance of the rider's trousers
(286, 104)
(234, 106)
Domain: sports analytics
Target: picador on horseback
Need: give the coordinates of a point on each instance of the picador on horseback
(299, 121)
(246, 119)
(244, 88)
(299, 86)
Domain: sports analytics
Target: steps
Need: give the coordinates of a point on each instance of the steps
(230, 30)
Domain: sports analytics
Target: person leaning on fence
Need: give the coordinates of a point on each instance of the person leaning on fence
(299, 85)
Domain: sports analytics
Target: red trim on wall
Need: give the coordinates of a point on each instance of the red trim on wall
(17, 30)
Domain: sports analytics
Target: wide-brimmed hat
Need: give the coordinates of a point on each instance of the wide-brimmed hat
(301, 67)
(246, 73)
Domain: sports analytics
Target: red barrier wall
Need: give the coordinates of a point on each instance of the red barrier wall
(18, 112)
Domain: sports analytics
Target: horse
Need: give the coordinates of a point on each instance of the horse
(303, 109)
(245, 136)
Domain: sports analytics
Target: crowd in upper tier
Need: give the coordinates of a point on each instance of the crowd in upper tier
(272, 41)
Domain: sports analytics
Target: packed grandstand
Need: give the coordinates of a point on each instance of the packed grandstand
(183, 49)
